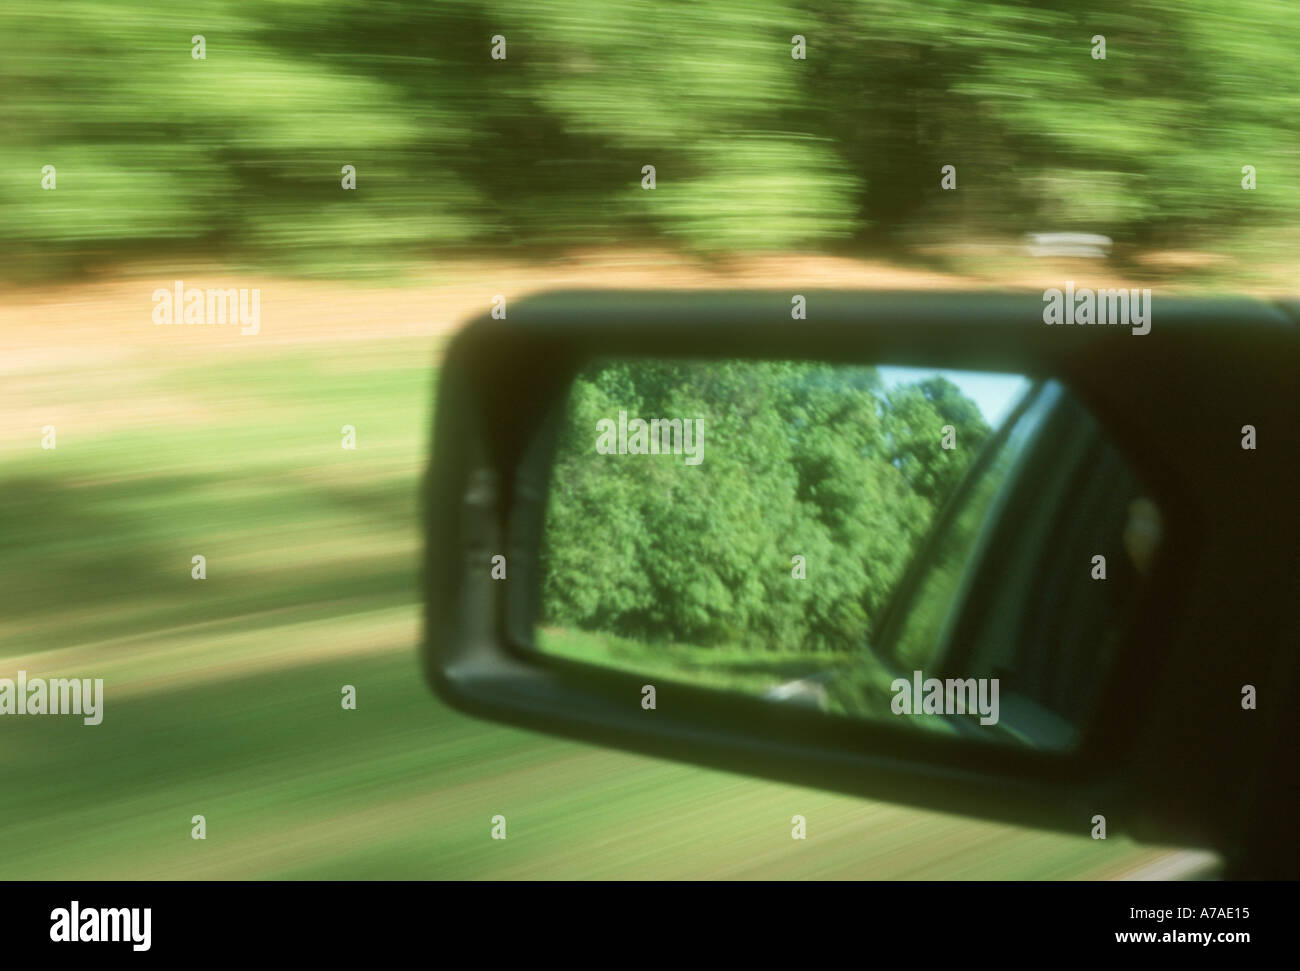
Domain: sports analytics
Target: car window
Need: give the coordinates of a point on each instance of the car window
(1010, 587)
(932, 599)
(1049, 629)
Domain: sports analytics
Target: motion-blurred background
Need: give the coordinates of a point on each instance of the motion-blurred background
(475, 177)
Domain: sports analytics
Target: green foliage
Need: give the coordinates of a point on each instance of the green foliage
(239, 155)
(798, 459)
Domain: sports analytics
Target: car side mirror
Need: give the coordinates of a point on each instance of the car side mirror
(965, 587)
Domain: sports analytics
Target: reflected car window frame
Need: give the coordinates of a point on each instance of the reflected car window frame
(1025, 420)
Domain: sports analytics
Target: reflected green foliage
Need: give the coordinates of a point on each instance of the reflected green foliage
(922, 627)
(799, 459)
(724, 668)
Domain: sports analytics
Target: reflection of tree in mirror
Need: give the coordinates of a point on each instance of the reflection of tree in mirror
(801, 458)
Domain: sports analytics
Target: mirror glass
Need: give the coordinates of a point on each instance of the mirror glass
(946, 551)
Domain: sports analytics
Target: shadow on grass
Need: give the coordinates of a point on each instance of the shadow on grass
(90, 562)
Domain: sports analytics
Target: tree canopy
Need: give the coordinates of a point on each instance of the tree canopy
(798, 459)
(239, 155)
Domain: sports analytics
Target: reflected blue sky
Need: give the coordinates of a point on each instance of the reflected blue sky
(995, 394)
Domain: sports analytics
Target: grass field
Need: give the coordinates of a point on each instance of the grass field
(223, 695)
